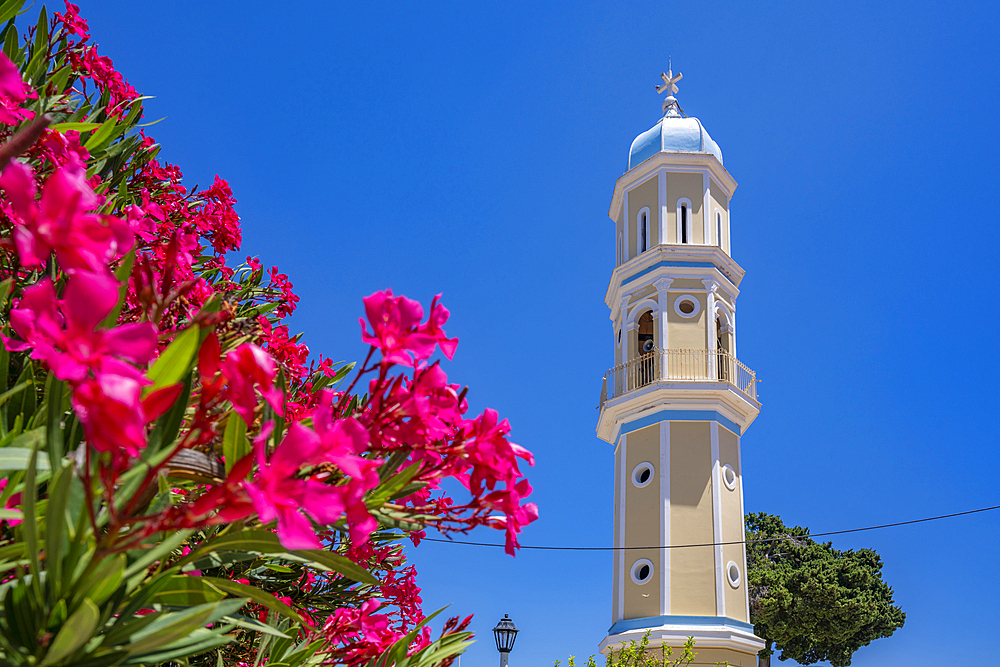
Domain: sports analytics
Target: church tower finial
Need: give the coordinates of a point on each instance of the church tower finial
(669, 86)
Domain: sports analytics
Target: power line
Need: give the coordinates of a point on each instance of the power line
(715, 544)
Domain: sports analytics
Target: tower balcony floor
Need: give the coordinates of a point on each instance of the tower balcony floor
(700, 378)
(678, 366)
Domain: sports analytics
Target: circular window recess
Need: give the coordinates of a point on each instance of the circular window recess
(732, 574)
(643, 474)
(687, 305)
(642, 571)
(729, 477)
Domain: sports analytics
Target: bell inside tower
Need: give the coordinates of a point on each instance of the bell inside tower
(644, 371)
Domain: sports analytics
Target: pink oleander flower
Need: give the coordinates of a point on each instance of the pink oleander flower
(13, 92)
(74, 25)
(60, 221)
(115, 416)
(11, 503)
(244, 367)
(64, 332)
(277, 493)
(398, 333)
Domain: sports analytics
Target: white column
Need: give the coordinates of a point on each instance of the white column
(720, 591)
(711, 288)
(712, 341)
(663, 299)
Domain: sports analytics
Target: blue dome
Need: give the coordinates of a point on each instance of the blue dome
(673, 134)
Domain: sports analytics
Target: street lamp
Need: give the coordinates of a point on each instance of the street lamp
(505, 632)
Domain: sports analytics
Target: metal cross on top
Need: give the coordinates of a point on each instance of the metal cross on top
(669, 86)
(669, 81)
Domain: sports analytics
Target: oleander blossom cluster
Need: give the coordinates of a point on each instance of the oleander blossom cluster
(128, 302)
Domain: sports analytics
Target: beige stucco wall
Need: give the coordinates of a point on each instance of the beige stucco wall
(642, 196)
(692, 570)
(686, 284)
(642, 522)
(719, 202)
(732, 526)
(685, 333)
(713, 657)
(692, 187)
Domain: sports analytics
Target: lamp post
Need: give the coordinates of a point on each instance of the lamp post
(505, 633)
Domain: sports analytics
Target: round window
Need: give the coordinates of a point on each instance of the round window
(729, 477)
(687, 305)
(733, 574)
(642, 571)
(643, 474)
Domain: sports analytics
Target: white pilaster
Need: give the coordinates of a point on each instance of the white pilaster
(622, 478)
(720, 591)
(706, 211)
(625, 221)
(743, 547)
(665, 519)
(661, 185)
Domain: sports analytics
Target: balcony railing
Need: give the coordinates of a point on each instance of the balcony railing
(678, 366)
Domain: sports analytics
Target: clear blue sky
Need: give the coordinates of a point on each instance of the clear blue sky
(472, 148)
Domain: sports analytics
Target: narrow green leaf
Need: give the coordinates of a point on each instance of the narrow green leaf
(29, 527)
(101, 135)
(174, 362)
(262, 541)
(198, 641)
(76, 632)
(16, 458)
(9, 10)
(327, 560)
(55, 527)
(79, 127)
(17, 515)
(158, 552)
(234, 441)
(256, 595)
(171, 627)
(54, 390)
(183, 590)
(100, 581)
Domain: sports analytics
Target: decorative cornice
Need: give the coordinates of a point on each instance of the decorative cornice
(669, 261)
(676, 162)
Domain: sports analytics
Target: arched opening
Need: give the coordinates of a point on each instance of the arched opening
(645, 350)
(718, 228)
(685, 236)
(643, 231)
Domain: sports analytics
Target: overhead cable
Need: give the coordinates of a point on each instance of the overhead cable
(715, 544)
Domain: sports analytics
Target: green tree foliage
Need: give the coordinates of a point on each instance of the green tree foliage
(811, 601)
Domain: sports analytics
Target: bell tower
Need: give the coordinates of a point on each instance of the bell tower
(677, 400)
